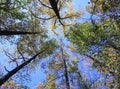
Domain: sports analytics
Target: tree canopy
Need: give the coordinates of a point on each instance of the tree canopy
(26, 26)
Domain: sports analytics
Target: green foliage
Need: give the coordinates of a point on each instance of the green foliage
(80, 34)
(51, 81)
(17, 18)
(9, 84)
(106, 37)
(102, 35)
(18, 15)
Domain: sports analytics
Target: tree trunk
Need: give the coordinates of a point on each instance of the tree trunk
(16, 33)
(65, 71)
(12, 72)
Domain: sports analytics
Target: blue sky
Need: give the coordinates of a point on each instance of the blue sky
(80, 3)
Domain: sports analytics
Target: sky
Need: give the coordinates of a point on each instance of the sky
(80, 3)
(38, 76)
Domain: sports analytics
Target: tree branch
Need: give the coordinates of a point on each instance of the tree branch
(41, 17)
(15, 70)
(16, 33)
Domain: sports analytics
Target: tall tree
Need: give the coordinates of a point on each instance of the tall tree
(99, 40)
(15, 22)
(64, 71)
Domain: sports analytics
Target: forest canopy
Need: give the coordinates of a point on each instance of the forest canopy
(50, 36)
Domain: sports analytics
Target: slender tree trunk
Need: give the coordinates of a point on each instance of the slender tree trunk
(16, 33)
(83, 85)
(12, 72)
(66, 72)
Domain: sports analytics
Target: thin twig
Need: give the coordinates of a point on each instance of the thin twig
(21, 54)
(93, 22)
(41, 17)
(6, 69)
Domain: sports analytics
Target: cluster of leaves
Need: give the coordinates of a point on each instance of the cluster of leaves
(13, 85)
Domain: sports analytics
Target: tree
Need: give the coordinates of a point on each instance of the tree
(76, 75)
(15, 28)
(62, 71)
(66, 12)
(99, 40)
(57, 74)
(92, 43)
(12, 72)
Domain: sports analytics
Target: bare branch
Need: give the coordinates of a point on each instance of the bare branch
(6, 69)
(8, 55)
(21, 54)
